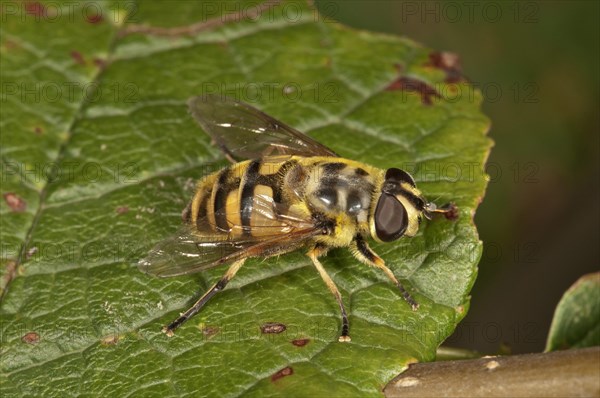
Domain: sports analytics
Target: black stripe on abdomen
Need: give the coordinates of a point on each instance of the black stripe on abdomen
(201, 219)
(219, 206)
(247, 197)
(275, 181)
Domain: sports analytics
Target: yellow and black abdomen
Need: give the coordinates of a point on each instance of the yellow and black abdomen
(242, 199)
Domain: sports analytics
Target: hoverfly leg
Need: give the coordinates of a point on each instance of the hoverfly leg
(313, 254)
(361, 250)
(194, 309)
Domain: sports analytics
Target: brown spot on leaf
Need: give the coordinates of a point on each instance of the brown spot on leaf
(272, 328)
(122, 209)
(111, 339)
(10, 45)
(38, 130)
(282, 373)
(99, 62)
(300, 342)
(94, 19)
(35, 8)
(77, 57)
(15, 202)
(452, 213)
(414, 85)
(449, 63)
(31, 338)
(452, 89)
(209, 331)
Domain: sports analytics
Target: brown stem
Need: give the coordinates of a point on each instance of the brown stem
(557, 374)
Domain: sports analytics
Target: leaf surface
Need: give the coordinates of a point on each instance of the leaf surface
(576, 322)
(123, 154)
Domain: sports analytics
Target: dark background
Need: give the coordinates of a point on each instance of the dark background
(537, 64)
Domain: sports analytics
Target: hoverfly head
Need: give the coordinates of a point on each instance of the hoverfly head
(399, 207)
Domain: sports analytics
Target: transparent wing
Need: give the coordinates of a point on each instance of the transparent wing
(182, 252)
(195, 248)
(243, 132)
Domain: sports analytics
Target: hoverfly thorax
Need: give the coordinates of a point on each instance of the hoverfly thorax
(398, 209)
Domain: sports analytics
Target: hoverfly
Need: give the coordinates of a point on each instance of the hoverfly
(283, 191)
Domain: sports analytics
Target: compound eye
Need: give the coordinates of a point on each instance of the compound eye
(391, 219)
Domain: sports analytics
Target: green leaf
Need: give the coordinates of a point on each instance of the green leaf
(576, 322)
(104, 170)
